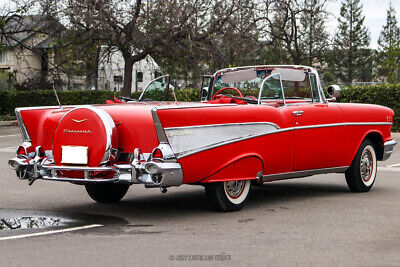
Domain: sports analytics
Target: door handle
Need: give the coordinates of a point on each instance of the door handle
(298, 112)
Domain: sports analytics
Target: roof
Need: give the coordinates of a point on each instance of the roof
(18, 29)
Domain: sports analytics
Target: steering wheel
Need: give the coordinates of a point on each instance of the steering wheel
(226, 88)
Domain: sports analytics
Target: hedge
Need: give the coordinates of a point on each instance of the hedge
(9, 100)
(386, 95)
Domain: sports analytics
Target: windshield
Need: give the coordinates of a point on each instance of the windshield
(296, 84)
(242, 79)
(156, 90)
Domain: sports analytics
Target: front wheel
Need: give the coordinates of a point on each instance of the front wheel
(362, 172)
(227, 196)
(107, 192)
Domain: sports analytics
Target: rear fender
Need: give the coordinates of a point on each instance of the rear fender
(242, 168)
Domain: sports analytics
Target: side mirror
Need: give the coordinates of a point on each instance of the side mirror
(334, 91)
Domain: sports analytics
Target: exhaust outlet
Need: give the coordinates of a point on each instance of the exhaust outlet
(17, 164)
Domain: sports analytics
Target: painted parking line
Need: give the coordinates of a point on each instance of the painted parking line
(10, 135)
(394, 165)
(392, 169)
(8, 149)
(51, 232)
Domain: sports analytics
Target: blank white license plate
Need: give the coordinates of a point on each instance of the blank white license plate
(74, 154)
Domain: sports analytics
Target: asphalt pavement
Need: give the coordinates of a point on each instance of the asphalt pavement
(309, 221)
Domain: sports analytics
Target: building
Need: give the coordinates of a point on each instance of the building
(111, 71)
(26, 52)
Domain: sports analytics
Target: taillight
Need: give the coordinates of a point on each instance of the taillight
(25, 150)
(157, 153)
(21, 151)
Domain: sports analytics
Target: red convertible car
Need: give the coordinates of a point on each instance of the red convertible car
(224, 142)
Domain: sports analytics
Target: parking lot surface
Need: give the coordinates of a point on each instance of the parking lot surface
(309, 221)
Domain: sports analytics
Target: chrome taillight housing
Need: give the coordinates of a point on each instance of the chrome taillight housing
(25, 150)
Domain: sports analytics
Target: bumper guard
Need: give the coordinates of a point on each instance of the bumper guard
(388, 148)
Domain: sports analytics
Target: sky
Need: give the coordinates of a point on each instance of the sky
(375, 16)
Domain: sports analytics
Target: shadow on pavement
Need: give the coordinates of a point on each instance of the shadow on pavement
(191, 202)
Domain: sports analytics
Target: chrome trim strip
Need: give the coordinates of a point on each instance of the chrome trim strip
(222, 125)
(48, 107)
(341, 124)
(368, 123)
(204, 105)
(80, 180)
(388, 149)
(279, 130)
(22, 127)
(162, 138)
(265, 66)
(76, 168)
(299, 174)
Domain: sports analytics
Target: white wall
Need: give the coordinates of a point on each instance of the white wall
(113, 65)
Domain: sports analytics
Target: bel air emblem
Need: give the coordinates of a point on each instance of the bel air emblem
(78, 121)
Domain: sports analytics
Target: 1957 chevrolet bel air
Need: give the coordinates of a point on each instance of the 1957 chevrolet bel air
(225, 143)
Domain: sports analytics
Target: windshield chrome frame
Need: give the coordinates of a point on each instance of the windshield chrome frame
(262, 86)
(305, 68)
(147, 86)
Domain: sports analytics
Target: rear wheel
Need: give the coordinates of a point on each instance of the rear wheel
(107, 192)
(227, 196)
(362, 172)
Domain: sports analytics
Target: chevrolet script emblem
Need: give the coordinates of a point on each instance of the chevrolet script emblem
(78, 121)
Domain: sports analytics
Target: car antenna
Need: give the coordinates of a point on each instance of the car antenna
(58, 100)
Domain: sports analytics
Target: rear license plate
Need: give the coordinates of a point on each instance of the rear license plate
(74, 154)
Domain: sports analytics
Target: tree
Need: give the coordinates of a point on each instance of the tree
(295, 28)
(314, 32)
(389, 47)
(351, 41)
(157, 28)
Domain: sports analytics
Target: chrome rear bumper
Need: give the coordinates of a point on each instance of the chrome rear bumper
(388, 148)
(150, 173)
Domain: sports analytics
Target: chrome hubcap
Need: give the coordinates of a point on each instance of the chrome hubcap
(234, 188)
(366, 165)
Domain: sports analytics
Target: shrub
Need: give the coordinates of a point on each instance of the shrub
(386, 95)
(9, 100)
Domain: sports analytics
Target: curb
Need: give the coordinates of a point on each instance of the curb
(8, 123)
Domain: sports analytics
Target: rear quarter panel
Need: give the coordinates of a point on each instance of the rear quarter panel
(244, 159)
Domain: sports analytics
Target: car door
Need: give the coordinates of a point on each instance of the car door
(319, 133)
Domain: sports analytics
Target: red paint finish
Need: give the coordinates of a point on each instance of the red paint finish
(81, 127)
(275, 151)
(243, 169)
(309, 150)
(290, 149)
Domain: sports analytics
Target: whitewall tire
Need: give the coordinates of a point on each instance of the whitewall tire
(228, 196)
(361, 174)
